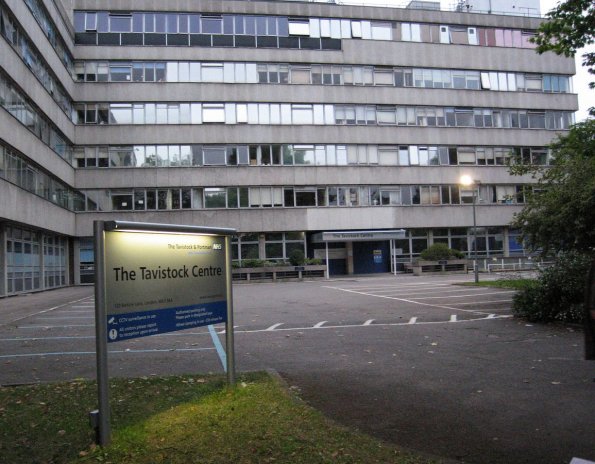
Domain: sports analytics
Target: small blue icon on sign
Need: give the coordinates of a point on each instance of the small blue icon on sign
(113, 334)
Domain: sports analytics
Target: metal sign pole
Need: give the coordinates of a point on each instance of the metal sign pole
(103, 423)
(229, 339)
(328, 264)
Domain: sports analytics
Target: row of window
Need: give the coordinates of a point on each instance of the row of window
(17, 169)
(206, 40)
(316, 114)
(15, 101)
(51, 32)
(277, 246)
(490, 242)
(25, 269)
(20, 42)
(143, 156)
(317, 74)
(139, 28)
(141, 199)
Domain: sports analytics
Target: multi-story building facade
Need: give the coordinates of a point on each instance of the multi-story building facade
(281, 119)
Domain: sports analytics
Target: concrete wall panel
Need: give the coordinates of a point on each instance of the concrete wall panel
(18, 136)
(25, 208)
(289, 176)
(316, 219)
(185, 92)
(254, 134)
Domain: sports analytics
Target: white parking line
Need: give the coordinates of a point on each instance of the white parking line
(401, 284)
(381, 287)
(379, 324)
(274, 326)
(55, 318)
(43, 311)
(436, 290)
(319, 326)
(81, 353)
(54, 326)
(75, 311)
(483, 302)
(450, 308)
(463, 296)
(32, 339)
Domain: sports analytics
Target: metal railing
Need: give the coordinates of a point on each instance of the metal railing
(508, 264)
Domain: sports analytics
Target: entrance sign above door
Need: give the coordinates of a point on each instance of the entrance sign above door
(359, 235)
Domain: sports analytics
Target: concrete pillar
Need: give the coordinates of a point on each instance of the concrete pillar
(41, 236)
(349, 249)
(505, 244)
(76, 260)
(261, 247)
(2, 260)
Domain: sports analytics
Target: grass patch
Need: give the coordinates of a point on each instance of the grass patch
(179, 420)
(517, 284)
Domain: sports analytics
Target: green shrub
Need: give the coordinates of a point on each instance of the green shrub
(253, 263)
(557, 294)
(297, 258)
(313, 261)
(440, 251)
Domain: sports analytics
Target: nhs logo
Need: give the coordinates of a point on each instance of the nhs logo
(217, 246)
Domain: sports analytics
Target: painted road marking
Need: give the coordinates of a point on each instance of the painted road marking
(368, 322)
(54, 326)
(378, 324)
(450, 308)
(274, 326)
(426, 288)
(30, 339)
(53, 318)
(453, 318)
(412, 321)
(434, 293)
(462, 296)
(319, 325)
(484, 302)
(43, 311)
(401, 283)
(219, 347)
(75, 311)
(81, 353)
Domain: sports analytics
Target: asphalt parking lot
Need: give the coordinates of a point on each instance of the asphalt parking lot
(417, 361)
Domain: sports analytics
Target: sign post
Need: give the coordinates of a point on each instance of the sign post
(157, 278)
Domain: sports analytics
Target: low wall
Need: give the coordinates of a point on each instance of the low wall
(274, 273)
(450, 265)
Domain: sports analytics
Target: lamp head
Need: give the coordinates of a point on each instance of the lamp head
(466, 180)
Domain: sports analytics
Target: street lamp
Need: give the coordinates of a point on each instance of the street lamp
(467, 181)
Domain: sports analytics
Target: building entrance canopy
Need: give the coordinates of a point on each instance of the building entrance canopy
(358, 236)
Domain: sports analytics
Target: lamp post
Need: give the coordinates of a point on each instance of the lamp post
(467, 181)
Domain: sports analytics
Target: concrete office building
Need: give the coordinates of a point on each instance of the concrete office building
(282, 119)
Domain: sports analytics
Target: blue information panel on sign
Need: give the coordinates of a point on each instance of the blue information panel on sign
(145, 323)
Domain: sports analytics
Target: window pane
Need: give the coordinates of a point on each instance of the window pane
(213, 113)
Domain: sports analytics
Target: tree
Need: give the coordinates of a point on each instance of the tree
(570, 27)
(559, 215)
